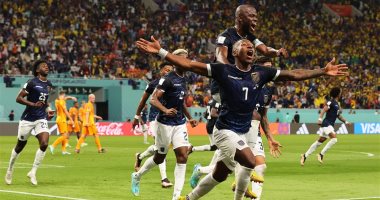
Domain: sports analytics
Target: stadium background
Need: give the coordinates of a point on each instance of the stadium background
(91, 47)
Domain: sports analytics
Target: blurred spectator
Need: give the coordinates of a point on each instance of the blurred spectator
(11, 115)
(296, 118)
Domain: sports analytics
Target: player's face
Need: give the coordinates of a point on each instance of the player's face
(43, 69)
(246, 52)
(166, 69)
(91, 98)
(249, 20)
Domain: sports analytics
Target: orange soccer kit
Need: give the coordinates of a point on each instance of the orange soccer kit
(61, 121)
(74, 113)
(88, 126)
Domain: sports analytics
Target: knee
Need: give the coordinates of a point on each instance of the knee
(219, 177)
(213, 148)
(159, 158)
(43, 146)
(182, 158)
(334, 140)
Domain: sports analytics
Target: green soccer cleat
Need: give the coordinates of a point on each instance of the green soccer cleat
(195, 176)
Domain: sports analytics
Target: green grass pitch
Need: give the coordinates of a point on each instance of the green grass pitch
(347, 172)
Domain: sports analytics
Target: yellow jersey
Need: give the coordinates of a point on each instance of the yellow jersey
(74, 114)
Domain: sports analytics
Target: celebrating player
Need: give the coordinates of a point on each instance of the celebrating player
(333, 112)
(74, 113)
(169, 97)
(88, 126)
(165, 68)
(240, 85)
(34, 118)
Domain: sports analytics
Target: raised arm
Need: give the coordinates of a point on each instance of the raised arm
(302, 74)
(154, 47)
(271, 52)
(221, 54)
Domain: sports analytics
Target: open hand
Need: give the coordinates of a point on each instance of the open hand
(193, 123)
(147, 46)
(274, 148)
(336, 70)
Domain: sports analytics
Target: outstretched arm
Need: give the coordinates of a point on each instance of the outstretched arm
(302, 74)
(271, 52)
(154, 47)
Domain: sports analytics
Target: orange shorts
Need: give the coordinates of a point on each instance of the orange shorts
(75, 129)
(62, 127)
(89, 130)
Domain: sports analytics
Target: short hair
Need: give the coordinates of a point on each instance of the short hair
(164, 64)
(237, 43)
(36, 65)
(180, 52)
(334, 92)
(62, 92)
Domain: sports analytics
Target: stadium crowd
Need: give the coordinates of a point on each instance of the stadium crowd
(95, 39)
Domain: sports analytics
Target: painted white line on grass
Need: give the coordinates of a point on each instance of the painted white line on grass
(46, 165)
(359, 198)
(366, 153)
(40, 195)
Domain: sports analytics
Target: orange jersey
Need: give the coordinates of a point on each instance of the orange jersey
(60, 106)
(81, 113)
(89, 116)
(74, 113)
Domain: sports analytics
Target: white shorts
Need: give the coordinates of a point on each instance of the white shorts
(252, 134)
(211, 137)
(228, 141)
(25, 128)
(152, 128)
(326, 131)
(166, 135)
(258, 150)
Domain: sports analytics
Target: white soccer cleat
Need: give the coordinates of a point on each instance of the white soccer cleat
(320, 158)
(65, 153)
(83, 144)
(33, 178)
(51, 149)
(8, 177)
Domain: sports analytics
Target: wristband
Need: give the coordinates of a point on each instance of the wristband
(137, 117)
(346, 122)
(162, 53)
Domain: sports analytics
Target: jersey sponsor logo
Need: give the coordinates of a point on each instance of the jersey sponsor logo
(234, 77)
(177, 84)
(221, 39)
(38, 86)
(367, 128)
(255, 77)
(303, 130)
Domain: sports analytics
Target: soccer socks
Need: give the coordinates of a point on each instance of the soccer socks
(148, 152)
(207, 169)
(58, 141)
(215, 157)
(204, 186)
(162, 167)
(206, 147)
(257, 187)
(97, 142)
(242, 181)
(329, 145)
(312, 148)
(149, 164)
(179, 178)
(37, 160)
(12, 160)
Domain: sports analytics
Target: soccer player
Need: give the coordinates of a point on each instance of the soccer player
(62, 113)
(165, 68)
(245, 24)
(88, 126)
(74, 113)
(333, 112)
(36, 91)
(212, 113)
(169, 97)
(81, 115)
(240, 85)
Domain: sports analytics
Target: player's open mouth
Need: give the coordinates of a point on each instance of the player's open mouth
(250, 53)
